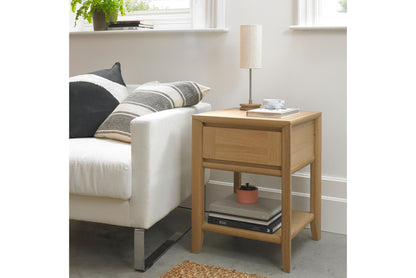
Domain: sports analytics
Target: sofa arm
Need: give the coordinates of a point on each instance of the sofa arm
(161, 151)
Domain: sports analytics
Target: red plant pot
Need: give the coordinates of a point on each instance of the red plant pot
(247, 194)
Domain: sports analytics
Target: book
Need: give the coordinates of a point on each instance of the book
(131, 23)
(125, 28)
(270, 229)
(245, 219)
(146, 26)
(265, 208)
(273, 113)
(129, 28)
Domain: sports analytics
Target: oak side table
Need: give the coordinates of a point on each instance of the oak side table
(229, 140)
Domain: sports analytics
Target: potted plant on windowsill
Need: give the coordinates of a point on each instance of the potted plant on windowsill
(100, 12)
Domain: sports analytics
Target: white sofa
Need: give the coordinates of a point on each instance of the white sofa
(134, 185)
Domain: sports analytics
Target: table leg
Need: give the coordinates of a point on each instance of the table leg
(286, 240)
(237, 181)
(198, 190)
(286, 230)
(315, 185)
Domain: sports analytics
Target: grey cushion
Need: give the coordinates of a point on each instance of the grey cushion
(149, 98)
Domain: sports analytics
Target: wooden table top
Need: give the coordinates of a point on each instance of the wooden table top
(237, 115)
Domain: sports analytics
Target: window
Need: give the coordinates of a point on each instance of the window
(172, 14)
(164, 14)
(321, 13)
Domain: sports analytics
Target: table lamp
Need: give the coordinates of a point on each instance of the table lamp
(250, 55)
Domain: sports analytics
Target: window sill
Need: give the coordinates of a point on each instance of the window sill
(143, 31)
(317, 28)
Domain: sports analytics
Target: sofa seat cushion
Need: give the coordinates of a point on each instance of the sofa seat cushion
(100, 167)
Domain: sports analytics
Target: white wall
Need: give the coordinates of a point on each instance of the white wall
(306, 68)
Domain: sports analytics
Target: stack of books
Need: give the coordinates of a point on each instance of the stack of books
(272, 113)
(263, 216)
(130, 25)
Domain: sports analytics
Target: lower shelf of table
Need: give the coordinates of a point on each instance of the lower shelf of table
(299, 221)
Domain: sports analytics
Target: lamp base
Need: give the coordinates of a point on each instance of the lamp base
(247, 106)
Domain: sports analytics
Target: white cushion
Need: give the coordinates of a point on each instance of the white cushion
(132, 87)
(100, 167)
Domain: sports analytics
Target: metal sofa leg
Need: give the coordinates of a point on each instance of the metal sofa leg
(141, 263)
(139, 257)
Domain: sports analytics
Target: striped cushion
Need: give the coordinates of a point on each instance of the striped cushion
(92, 97)
(149, 98)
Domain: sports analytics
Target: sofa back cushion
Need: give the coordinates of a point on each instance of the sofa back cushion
(92, 97)
(149, 98)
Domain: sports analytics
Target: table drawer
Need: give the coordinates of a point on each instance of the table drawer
(242, 145)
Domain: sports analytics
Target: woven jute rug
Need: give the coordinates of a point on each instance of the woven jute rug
(188, 269)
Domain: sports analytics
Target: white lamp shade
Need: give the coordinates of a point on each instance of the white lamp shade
(251, 37)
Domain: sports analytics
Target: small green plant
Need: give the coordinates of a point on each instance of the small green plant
(111, 9)
(343, 4)
(139, 5)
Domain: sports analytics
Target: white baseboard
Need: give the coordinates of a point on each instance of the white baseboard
(334, 208)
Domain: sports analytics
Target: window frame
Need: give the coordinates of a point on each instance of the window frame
(165, 19)
(307, 15)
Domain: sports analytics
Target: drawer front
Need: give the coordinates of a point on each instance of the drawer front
(242, 145)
